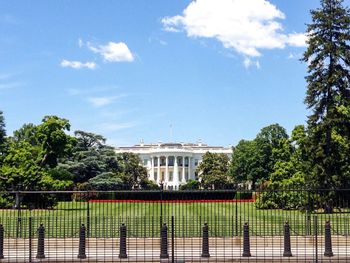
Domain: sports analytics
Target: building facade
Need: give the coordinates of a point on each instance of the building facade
(172, 164)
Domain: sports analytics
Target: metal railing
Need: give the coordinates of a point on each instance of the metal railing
(176, 226)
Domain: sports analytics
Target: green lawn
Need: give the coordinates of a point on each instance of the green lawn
(143, 219)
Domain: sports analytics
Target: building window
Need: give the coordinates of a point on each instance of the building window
(162, 178)
(162, 161)
(145, 161)
(155, 162)
(170, 176)
(155, 176)
(196, 162)
(171, 161)
(186, 176)
(186, 161)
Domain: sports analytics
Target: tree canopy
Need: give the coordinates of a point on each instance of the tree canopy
(328, 94)
(213, 171)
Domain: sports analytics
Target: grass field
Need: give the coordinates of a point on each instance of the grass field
(143, 219)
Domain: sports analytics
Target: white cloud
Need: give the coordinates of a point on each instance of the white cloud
(291, 56)
(77, 64)
(113, 52)
(297, 39)
(248, 62)
(80, 43)
(157, 40)
(245, 26)
(103, 101)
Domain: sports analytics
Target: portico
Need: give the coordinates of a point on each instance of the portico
(171, 169)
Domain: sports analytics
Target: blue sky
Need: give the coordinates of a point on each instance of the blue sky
(213, 70)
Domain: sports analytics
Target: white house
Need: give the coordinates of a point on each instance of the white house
(172, 164)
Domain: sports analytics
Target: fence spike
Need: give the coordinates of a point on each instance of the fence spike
(287, 246)
(328, 240)
(122, 247)
(1, 241)
(82, 242)
(246, 241)
(41, 242)
(164, 241)
(205, 241)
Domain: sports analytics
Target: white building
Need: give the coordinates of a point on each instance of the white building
(172, 164)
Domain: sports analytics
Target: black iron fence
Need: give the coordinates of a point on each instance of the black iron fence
(176, 226)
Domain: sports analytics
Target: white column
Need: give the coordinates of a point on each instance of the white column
(176, 174)
(183, 170)
(158, 170)
(189, 168)
(166, 170)
(151, 177)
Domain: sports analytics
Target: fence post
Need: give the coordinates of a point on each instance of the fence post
(88, 215)
(172, 239)
(205, 242)
(164, 242)
(328, 240)
(41, 242)
(122, 246)
(82, 242)
(30, 238)
(1, 241)
(287, 247)
(308, 214)
(236, 215)
(246, 241)
(316, 238)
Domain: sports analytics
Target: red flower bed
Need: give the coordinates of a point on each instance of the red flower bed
(174, 201)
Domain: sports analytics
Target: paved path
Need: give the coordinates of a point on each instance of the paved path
(263, 249)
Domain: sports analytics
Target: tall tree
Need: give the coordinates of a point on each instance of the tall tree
(328, 94)
(2, 133)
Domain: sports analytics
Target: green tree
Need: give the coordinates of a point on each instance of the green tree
(90, 157)
(88, 140)
(28, 132)
(254, 161)
(106, 182)
(328, 94)
(268, 142)
(134, 174)
(190, 185)
(288, 175)
(53, 139)
(213, 171)
(21, 170)
(2, 135)
(243, 166)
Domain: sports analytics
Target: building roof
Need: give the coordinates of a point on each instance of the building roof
(173, 145)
